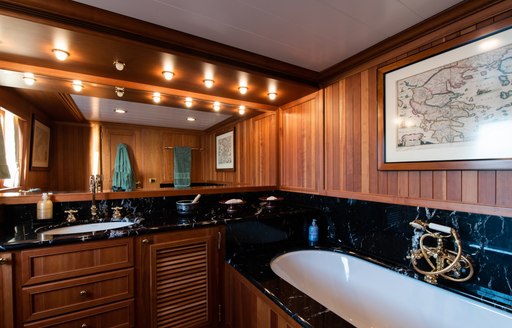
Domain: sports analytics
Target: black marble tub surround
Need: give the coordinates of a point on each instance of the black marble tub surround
(382, 231)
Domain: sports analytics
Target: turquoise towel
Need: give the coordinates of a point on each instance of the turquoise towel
(182, 161)
(123, 179)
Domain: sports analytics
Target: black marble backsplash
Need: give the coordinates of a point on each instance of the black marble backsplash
(382, 231)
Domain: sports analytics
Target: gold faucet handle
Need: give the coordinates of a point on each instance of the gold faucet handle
(117, 212)
(71, 215)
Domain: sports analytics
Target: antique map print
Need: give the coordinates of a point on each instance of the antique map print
(462, 102)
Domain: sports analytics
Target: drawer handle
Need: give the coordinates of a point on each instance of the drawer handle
(3, 260)
(84, 325)
(83, 293)
(145, 241)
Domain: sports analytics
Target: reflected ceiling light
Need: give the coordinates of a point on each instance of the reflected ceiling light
(243, 89)
(168, 75)
(119, 65)
(272, 95)
(208, 83)
(157, 97)
(60, 54)
(29, 78)
(77, 85)
(120, 111)
(216, 106)
(241, 109)
(188, 102)
(119, 91)
(191, 119)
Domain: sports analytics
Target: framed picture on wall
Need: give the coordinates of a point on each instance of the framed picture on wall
(39, 146)
(225, 151)
(448, 108)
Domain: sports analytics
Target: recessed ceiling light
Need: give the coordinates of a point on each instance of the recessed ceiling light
(120, 111)
(60, 54)
(241, 109)
(243, 89)
(191, 119)
(119, 65)
(188, 102)
(168, 75)
(216, 106)
(208, 83)
(29, 78)
(77, 85)
(157, 97)
(272, 95)
(119, 92)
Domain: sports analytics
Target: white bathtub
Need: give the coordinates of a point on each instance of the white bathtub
(370, 296)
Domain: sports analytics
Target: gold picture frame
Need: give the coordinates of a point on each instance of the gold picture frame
(39, 146)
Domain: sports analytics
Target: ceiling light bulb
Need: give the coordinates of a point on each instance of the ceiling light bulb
(120, 111)
(241, 109)
(243, 89)
(272, 95)
(77, 85)
(208, 83)
(157, 97)
(216, 106)
(60, 54)
(119, 91)
(119, 65)
(188, 102)
(29, 78)
(191, 119)
(168, 75)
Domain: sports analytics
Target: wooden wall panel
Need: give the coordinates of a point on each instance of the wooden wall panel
(71, 157)
(301, 145)
(350, 110)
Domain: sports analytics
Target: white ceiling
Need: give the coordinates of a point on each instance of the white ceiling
(102, 110)
(313, 34)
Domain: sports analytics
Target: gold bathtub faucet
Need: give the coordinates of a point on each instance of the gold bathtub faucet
(432, 253)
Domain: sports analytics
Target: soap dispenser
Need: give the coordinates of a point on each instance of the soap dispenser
(44, 208)
(313, 232)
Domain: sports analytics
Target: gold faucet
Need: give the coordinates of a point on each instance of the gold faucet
(94, 186)
(443, 262)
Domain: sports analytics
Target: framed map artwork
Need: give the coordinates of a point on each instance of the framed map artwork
(448, 108)
(225, 151)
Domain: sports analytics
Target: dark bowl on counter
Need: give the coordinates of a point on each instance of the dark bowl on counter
(186, 207)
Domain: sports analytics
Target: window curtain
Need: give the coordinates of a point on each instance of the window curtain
(4, 169)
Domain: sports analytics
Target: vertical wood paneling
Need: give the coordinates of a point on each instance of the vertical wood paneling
(426, 187)
(469, 187)
(300, 144)
(504, 188)
(487, 187)
(351, 140)
(365, 134)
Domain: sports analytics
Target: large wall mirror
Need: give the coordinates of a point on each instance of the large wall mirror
(117, 66)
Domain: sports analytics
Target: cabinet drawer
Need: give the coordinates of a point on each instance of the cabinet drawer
(116, 315)
(56, 263)
(46, 300)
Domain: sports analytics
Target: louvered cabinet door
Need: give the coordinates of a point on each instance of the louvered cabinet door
(179, 279)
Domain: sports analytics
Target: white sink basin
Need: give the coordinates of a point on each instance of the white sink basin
(87, 228)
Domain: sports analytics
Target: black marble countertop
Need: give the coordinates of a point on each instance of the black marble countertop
(27, 234)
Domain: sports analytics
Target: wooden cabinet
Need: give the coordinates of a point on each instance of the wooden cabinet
(179, 278)
(6, 290)
(301, 145)
(248, 307)
(78, 285)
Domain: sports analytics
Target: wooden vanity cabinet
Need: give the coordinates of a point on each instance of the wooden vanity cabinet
(246, 306)
(89, 284)
(6, 291)
(179, 278)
